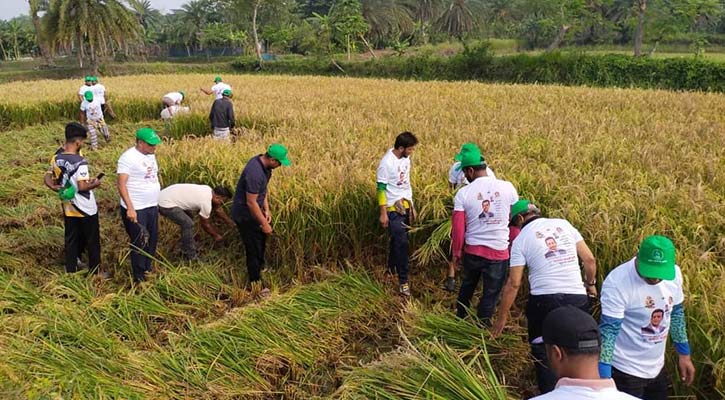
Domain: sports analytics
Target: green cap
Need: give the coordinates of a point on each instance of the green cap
(470, 158)
(227, 92)
(218, 79)
(183, 93)
(88, 95)
(148, 135)
(465, 149)
(519, 207)
(67, 192)
(279, 153)
(656, 258)
(89, 78)
(94, 79)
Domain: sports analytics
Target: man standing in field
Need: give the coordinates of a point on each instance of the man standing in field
(139, 187)
(70, 177)
(481, 244)
(177, 202)
(218, 88)
(92, 116)
(221, 116)
(644, 291)
(99, 92)
(87, 86)
(554, 281)
(395, 199)
(250, 207)
(572, 342)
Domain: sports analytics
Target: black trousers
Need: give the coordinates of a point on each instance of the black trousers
(255, 245)
(648, 389)
(493, 272)
(537, 308)
(143, 236)
(399, 245)
(82, 233)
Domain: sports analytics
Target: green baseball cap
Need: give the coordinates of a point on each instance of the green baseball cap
(183, 93)
(67, 192)
(88, 78)
(279, 153)
(94, 79)
(226, 92)
(465, 149)
(656, 258)
(148, 135)
(218, 79)
(519, 207)
(88, 95)
(470, 158)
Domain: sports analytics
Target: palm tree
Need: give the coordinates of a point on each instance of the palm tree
(147, 16)
(386, 18)
(45, 51)
(458, 18)
(425, 12)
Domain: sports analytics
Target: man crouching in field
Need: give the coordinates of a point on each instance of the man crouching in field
(395, 198)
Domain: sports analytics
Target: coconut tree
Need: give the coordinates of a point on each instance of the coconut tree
(37, 6)
(458, 18)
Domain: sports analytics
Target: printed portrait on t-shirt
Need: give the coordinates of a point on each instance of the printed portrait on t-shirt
(401, 176)
(649, 302)
(553, 247)
(486, 207)
(656, 330)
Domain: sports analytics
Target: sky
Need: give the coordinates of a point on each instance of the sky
(12, 8)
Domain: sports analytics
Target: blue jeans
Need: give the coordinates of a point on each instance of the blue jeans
(494, 274)
(181, 218)
(143, 236)
(399, 245)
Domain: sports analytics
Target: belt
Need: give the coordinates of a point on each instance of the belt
(405, 202)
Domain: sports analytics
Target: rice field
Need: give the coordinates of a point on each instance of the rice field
(619, 164)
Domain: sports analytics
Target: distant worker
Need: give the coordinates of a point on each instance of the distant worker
(218, 88)
(481, 245)
(250, 207)
(92, 116)
(87, 86)
(572, 343)
(69, 175)
(456, 177)
(177, 202)
(395, 199)
(221, 116)
(554, 281)
(139, 187)
(172, 104)
(642, 304)
(99, 92)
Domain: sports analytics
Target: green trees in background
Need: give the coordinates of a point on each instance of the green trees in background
(96, 29)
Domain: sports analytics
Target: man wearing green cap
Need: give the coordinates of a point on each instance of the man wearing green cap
(250, 207)
(85, 87)
(221, 116)
(554, 277)
(92, 116)
(480, 233)
(139, 187)
(456, 178)
(642, 304)
(217, 89)
(70, 177)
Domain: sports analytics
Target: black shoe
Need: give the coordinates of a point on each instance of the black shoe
(450, 285)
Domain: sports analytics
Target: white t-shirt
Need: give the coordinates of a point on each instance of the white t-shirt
(93, 109)
(99, 92)
(219, 88)
(458, 178)
(646, 311)
(84, 88)
(548, 247)
(487, 204)
(395, 173)
(188, 197)
(143, 182)
(171, 112)
(176, 97)
(580, 391)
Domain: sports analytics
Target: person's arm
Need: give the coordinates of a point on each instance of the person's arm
(678, 332)
(257, 213)
(614, 304)
(86, 185)
(209, 228)
(123, 191)
(383, 204)
(590, 267)
(219, 211)
(267, 212)
(508, 297)
(458, 234)
(206, 92)
(50, 182)
(211, 116)
(82, 116)
(230, 115)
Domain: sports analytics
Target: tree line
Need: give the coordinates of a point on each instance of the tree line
(94, 30)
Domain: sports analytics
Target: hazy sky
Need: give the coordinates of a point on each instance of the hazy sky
(13, 8)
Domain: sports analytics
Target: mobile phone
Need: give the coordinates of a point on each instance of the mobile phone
(101, 175)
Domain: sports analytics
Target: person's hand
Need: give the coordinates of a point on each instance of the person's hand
(268, 216)
(56, 187)
(592, 291)
(267, 229)
(687, 369)
(456, 262)
(218, 241)
(413, 215)
(498, 327)
(384, 220)
(131, 215)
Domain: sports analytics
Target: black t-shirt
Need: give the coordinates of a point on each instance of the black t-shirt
(254, 180)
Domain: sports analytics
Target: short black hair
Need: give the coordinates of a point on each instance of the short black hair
(405, 140)
(74, 130)
(659, 310)
(223, 191)
(590, 352)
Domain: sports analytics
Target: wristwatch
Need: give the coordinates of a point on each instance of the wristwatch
(587, 284)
